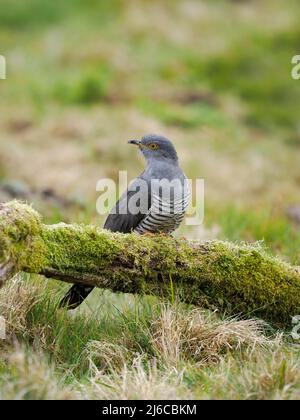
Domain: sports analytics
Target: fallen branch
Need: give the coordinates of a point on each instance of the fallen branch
(236, 278)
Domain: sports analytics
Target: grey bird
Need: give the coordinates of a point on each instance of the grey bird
(162, 209)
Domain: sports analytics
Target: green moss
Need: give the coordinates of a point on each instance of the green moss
(235, 278)
(244, 279)
(20, 226)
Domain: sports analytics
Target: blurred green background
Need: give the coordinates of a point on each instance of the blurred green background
(83, 77)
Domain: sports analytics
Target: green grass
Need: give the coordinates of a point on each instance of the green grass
(35, 14)
(71, 335)
(278, 234)
(88, 87)
(188, 116)
(218, 357)
(83, 78)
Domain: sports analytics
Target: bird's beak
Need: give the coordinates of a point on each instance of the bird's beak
(136, 142)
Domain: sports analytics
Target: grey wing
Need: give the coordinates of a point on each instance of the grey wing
(122, 218)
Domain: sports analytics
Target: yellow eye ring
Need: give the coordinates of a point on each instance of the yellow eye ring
(153, 146)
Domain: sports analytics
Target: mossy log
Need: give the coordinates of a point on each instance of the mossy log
(240, 279)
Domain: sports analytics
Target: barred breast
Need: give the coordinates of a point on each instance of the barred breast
(164, 216)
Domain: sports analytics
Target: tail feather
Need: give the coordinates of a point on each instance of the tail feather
(75, 296)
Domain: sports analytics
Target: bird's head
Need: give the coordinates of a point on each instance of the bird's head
(156, 147)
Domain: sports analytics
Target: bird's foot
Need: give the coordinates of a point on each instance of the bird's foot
(151, 234)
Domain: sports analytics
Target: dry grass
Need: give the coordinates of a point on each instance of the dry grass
(202, 337)
(140, 380)
(17, 298)
(261, 375)
(105, 356)
(152, 52)
(183, 354)
(30, 376)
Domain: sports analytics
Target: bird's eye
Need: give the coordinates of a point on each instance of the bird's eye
(153, 146)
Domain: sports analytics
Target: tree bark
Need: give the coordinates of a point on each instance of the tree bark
(238, 279)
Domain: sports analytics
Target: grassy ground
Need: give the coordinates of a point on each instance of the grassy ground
(83, 77)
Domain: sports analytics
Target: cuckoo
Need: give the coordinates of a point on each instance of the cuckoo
(155, 202)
